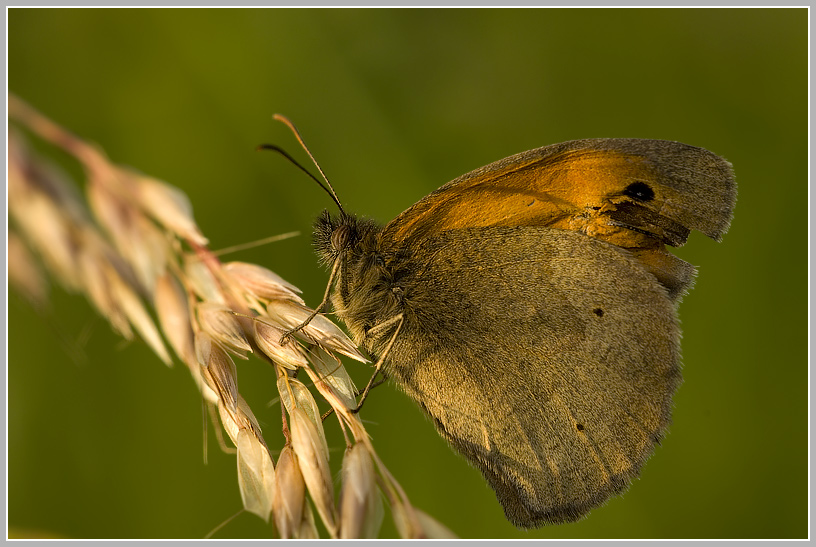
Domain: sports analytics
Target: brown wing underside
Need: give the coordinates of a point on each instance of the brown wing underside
(553, 375)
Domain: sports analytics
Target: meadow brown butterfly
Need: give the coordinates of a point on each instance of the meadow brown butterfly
(529, 308)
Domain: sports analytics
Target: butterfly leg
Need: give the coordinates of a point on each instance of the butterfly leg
(285, 338)
(378, 365)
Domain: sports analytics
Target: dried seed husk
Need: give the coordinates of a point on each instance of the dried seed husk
(261, 282)
(256, 474)
(361, 507)
(314, 466)
(268, 336)
(218, 369)
(290, 494)
(221, 323)
(318, 331)
(304, 400)
(173, 310)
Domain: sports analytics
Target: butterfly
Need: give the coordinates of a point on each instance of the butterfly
(530, 309)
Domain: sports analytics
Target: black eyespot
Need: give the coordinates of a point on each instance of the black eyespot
(639, 191)
(598, 311)
(580, 427)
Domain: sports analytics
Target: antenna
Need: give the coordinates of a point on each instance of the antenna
(327, 187)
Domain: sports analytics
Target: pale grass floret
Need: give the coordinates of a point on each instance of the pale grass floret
(308, 528)
(173, 311)
(361, 507)
(24, 272)
(330, 368)
(170, 207)
(218, 369)
(318, 331)
(314, 465)
(261, 282)
(289, 494)
(136, 312)
(222, 325)
(135, 236)
(46, 226)
(141, 245)
(268, 338)
(238, 419)
(295, 395)
(98, 274)
(201, 280)
(256, 474)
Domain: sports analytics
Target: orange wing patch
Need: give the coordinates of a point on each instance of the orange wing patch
(576, 190)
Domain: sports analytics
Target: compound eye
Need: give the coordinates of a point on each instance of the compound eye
(340, 237)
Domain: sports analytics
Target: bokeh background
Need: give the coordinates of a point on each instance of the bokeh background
(395, 102)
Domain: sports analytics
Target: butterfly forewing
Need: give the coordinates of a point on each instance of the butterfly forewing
(637, 194)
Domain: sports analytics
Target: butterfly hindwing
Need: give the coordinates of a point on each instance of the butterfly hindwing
(549, 361)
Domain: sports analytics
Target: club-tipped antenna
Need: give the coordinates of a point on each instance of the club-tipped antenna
(328, 187)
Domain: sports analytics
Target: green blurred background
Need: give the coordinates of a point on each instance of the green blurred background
(395, 102)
